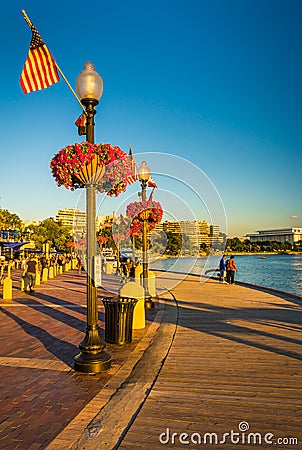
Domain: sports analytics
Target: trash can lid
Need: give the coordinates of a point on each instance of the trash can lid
(119, 300)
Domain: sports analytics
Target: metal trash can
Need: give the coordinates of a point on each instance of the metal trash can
(118, 319)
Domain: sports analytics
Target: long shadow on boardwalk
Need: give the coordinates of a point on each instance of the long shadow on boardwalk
(216, 321)
(60, 349)
(54, 313)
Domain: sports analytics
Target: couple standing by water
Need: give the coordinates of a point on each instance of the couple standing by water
(227, 268)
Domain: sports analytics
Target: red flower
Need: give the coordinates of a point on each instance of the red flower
(71, 160)
(149, 210)
(102, 239)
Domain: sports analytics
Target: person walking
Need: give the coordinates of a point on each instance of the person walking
(44, 263)
(231, 268)
(222, 269)
(30, 270)
(79, 264)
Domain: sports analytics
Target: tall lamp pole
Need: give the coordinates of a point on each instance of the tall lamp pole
(117, 222)
(144, 175)
(92, 358)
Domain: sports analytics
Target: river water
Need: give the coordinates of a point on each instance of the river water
(282, 272)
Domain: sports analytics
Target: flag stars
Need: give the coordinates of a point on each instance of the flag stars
(36, 40)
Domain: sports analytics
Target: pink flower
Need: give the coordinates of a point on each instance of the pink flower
(70, 160)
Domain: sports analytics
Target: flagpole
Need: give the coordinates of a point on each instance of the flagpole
(151, 194)
(27, 19)
(30, 24)
(70, 87)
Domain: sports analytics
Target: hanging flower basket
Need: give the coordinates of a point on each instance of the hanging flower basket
(148, 211)
(92, 172)
(105, 166)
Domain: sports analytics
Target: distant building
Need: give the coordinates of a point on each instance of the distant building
(198, 232)
(291, 235)
(75, 219)
(214, 230)
(72, 218)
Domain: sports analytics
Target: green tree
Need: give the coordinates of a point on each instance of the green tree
(9, 220)
(235, 245)
(158, 241)
(53, 233)
(105, 230)
(255, 247)
(174, 243)
(276, 246)
(287, 245)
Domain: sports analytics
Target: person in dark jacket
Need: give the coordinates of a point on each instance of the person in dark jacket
(222, 269)
(231, 268)
(30, 270)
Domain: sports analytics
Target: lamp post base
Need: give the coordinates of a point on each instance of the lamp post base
(92, 362)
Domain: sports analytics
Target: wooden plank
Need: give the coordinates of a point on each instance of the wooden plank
(236, 356)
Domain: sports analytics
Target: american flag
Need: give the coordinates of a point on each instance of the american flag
(81, 124)
(151, 182)
(134, 175)
(39, 71)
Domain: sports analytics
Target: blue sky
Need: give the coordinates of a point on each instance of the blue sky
(217, 83)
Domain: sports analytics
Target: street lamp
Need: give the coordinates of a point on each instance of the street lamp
(92, 358)
(144, 175)
(118, 222)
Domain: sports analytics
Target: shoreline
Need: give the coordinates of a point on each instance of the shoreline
(266, 266)
(261, 253)
(163, 257)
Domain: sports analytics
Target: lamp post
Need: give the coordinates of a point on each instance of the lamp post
(92, 358)
(117, 222)
(144, 175)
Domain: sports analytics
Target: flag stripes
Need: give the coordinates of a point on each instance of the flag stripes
(81, 124)
(151, 183)
(134, 175)
(39, 71)
(132, 179)
(81, 120)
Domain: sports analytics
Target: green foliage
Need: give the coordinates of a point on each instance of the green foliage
(235, 245)
(106, 231)
(53, 233)
(9, 220)
(174, 243)
(158, 242)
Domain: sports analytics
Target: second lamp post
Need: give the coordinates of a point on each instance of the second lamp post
(144, 175)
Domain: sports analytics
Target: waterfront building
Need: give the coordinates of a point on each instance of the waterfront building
(204, 227)
(214, 231)
(159, 226)
(291, 235)
(73, 218)
(198, 232)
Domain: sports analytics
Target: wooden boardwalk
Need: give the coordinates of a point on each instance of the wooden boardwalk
(234, 364)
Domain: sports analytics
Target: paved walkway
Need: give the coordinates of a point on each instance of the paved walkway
(214, 358)
(40, 392)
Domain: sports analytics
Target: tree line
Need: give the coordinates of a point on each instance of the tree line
(59, 237)
(237, 245)
(48, 231)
